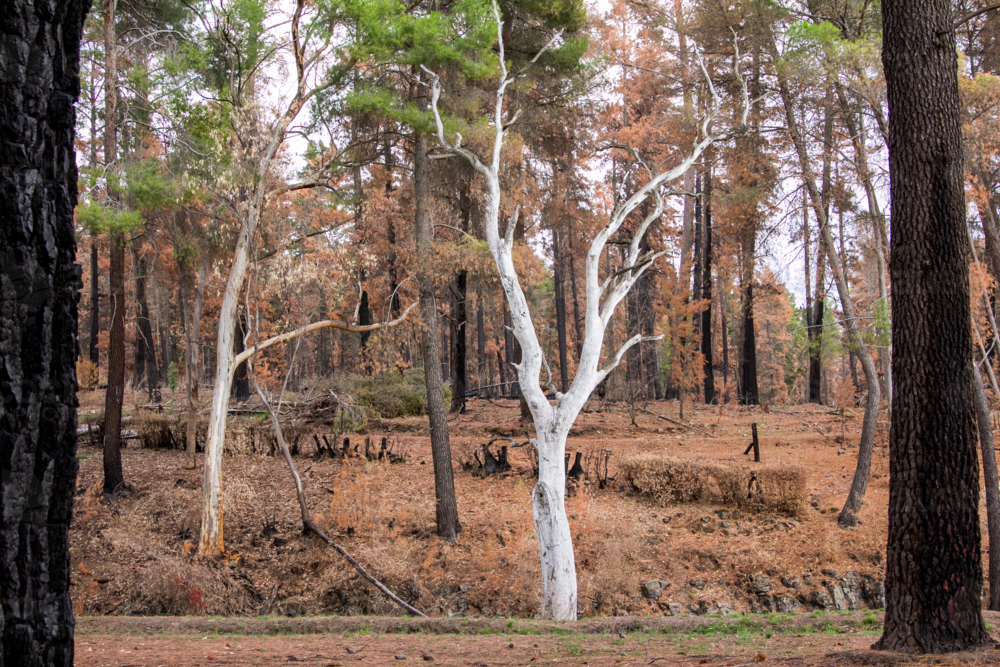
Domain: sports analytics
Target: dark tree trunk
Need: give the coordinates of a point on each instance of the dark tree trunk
(706, 290)
(241, 383)
(560, 298)
(815, 331)
(95, 303)
(364, 319)
(482, 375)
(576, 300)
(39, 291)
(934, 575)
(748, 393)
(459, 325)
(145, 348)
(114, 479)
(724, 332)
(985, 426)
(444, 485)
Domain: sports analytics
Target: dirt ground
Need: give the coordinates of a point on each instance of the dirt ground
(133, 555)
(792, 641)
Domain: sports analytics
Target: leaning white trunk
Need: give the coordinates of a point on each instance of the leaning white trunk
(212, 543)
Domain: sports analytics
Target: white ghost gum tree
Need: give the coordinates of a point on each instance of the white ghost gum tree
(241, 54)
(553, 422)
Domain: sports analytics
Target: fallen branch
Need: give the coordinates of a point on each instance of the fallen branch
(674, 421)
(307, 523)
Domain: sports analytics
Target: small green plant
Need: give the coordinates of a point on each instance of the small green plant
(172, 376)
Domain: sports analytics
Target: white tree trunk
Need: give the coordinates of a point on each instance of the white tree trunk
(552, 423)
(212, 543)
(555, 543)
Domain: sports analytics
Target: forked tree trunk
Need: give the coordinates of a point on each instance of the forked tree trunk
(552, 422)
(934, 573)
(39, 288)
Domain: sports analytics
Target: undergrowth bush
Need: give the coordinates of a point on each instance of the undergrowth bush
(387, 395)
(86, 374)
(669, 479)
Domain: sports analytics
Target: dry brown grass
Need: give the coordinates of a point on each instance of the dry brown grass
(668, 479)
(384, 515)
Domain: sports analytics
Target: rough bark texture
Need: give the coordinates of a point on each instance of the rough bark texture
(39, 290)
(933, 565)
(444, 483)
(114, 479)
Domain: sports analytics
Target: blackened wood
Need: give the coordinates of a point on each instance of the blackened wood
(39, 291)
(706, 290)
(933, 564)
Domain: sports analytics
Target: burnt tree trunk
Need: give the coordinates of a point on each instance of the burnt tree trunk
(444, 485)
(39, 290)
(933, 567)
(482, 374)
(95, 301)
(459, 364)
(748, 393)
(706, 289)
(241, 382)
(560, 298)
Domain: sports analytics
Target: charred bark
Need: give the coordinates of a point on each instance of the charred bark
(933, 563)
(39, 291)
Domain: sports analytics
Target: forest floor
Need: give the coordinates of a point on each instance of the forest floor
(134, 555)
(820, 639)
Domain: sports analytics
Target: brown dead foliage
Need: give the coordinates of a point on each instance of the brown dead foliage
(138, 548)
(667, 479)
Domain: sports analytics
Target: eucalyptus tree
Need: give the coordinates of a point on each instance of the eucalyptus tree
(552, 422)
(239, 59)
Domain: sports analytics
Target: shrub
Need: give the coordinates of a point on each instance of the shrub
(86, 374)
(768, 487)
(389, 395)
(157, 431)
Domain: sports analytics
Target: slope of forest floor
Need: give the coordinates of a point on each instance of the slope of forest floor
(134, 555)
